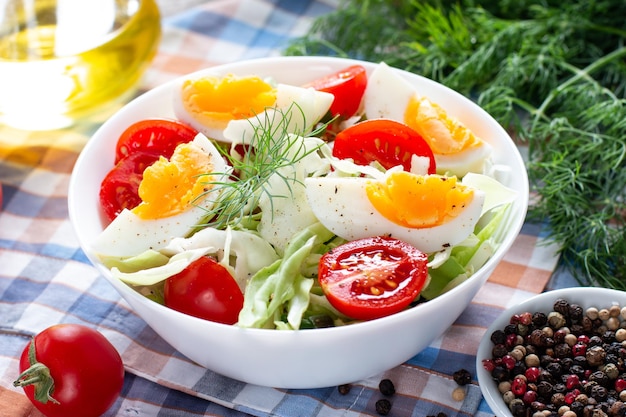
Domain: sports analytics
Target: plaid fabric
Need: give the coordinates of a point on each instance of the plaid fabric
(45, 278)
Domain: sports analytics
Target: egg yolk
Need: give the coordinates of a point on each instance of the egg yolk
(214, 101)
(445, 135)
(418, 201)
(170, 187)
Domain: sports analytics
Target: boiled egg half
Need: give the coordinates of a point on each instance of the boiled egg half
(175, 197)
(231, 108)
(431, 212)
(456, 148)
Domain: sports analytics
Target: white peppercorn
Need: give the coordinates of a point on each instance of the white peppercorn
(592, 313)
(504, 386)
(570, 339)
(508, 397)
(613, 323)
(458, 394)
(603, 314)
(532, 360)
(614, 310)
(556, 320)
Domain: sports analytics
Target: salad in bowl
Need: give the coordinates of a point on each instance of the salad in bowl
(297, 204)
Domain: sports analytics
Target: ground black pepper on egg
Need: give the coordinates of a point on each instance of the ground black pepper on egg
(568, 362)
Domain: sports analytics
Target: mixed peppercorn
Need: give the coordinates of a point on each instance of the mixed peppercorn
(568, 362)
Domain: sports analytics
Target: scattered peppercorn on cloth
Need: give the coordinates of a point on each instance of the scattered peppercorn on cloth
(45, 278)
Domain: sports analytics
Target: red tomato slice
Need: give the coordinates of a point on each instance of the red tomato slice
(119, 189)
(347, 85)
(205, 289)
(372, 277)
(153, 135)
(389, 142)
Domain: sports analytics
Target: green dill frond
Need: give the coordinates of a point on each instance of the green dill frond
(265, 154)
(552, 72)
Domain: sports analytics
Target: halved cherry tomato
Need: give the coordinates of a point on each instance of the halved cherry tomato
(205, 289)
(153, 135)
(71, 370)
(119, 189)
(347, 85)
(387, 141)
(372, 277)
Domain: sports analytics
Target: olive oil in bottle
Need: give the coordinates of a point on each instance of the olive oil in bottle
(62, 60)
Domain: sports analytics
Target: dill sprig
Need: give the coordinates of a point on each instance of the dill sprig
(552, 72)
(273, 146)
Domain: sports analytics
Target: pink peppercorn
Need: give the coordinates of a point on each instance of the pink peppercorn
(579, 349)
(532, 374)
(570, 397)
(511, 340)
(526, 318)
(529, 397)
(508, 361)
(489, 365)
(620, 384)
(518, 386)
(572, 381)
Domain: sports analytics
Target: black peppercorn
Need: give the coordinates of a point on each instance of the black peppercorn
(499, 351)
(498, 337)
(344, 389)
(577, 407)
(555, 369)
(561, 306)
(599, 393)
(500, 373)
(595, 340)
(386, 387)
(383, 406)
(537, 338)
(539, 319)
(544, 389)
(575, 312)
(562, 350)
(558, 399)
(517, 407)
(510, 328)
(600, 378)
(462, 377)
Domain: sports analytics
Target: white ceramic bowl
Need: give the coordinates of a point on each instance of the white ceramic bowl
(584, 296)
(308, 358)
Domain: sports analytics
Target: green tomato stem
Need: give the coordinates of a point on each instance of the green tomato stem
(37, 375)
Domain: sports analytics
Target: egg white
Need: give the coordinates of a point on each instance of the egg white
(342, 206)
(129, 235)
(296, 110)
(388, 95)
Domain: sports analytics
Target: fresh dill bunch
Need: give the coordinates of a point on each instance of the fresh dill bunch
(552, 72)
(269, 150)
(366, 29)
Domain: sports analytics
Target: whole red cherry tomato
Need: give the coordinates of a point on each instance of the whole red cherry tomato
(153, 135)
(205, 289)
(372, 277)
(389, 142)
(71, 370)
(347, 85)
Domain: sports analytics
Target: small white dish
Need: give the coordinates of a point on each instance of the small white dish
(585, 297)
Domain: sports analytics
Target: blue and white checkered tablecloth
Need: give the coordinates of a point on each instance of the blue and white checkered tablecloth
(45, 278)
